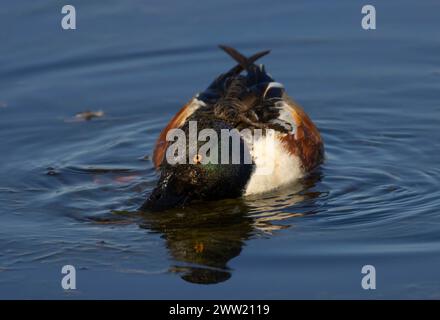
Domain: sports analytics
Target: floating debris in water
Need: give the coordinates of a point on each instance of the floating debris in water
(145, 157)
(126, 179)
(51, 171)
(110, 180)
(89, 115)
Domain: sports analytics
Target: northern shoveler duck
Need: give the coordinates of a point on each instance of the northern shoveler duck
(253, 100)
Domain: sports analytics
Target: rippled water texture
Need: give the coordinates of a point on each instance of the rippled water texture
(69, 188)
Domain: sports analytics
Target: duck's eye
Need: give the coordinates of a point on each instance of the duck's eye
(197, 159)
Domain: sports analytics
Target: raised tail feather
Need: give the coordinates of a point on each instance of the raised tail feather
(243, 62)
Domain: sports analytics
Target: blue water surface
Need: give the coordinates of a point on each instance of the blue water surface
(70, 189)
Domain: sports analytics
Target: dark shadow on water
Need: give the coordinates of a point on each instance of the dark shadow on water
(204, 237)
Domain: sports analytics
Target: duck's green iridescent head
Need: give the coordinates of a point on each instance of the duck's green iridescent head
(206, 161)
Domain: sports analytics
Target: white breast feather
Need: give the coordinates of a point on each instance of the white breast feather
(274, 166)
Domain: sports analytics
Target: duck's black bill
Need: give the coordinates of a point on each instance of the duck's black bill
(164, 197)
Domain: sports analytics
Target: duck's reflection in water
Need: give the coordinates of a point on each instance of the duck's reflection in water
(204, 237)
